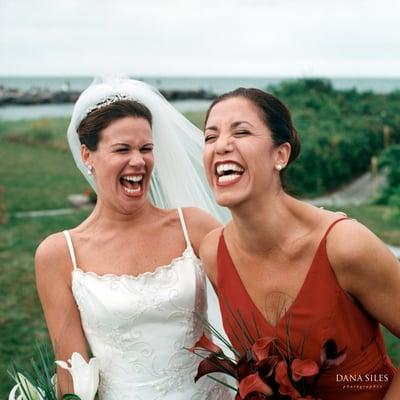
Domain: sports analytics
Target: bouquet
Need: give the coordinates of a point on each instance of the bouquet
(40, 382)
(268, 368)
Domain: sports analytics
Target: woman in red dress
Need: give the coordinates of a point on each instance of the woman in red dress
(286, 266)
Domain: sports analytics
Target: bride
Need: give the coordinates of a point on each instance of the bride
(127, 279)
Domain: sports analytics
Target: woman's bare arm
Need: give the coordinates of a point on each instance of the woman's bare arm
(208, 255)
(53, 280)
(199, 224)
(368, 271)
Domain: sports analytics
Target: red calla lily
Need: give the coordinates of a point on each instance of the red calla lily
(303, 368)
(246, 365)
(253, 383)
(205, 343)
(266, 367)
(331, 356)
(285, 386)
(215, 364)
(262, 347)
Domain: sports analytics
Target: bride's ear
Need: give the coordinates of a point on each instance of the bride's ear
(85, 154)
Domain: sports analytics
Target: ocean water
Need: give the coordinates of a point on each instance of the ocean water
(38, 111)
(216, 85)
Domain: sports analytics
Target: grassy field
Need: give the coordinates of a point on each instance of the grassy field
(377, 218)
(37, 173)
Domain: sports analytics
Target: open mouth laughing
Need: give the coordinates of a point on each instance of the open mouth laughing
(132, 184)
(228, 172)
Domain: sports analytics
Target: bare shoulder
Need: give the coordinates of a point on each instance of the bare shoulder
(356, 255)
(198, 218)
(350, 240)
(199, 224)
(208, 253)
(209, 244)
(52, 258)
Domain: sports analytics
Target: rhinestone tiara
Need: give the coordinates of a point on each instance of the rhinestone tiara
(107, 101)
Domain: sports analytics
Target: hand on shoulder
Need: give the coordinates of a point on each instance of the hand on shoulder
(199, 224)
(208, 254)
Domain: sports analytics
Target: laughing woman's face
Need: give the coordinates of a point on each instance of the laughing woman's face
(123, 163)
(239, 155)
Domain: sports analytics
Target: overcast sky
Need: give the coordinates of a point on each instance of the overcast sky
(208, 37)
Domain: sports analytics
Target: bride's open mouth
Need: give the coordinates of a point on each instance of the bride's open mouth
(132, 184)
(228, 173)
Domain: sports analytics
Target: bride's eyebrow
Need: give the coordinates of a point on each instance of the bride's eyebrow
(211, 128)
(128, 145)
(119, 144)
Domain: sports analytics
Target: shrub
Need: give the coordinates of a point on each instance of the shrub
(340, 131)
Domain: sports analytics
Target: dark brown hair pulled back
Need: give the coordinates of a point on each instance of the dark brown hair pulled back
(89, 130)
(275, 114)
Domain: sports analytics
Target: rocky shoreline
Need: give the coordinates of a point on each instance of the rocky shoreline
(12, 96)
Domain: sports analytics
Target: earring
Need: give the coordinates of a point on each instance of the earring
(279, 167)
(89, 169)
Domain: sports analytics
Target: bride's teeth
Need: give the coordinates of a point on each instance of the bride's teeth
(132, 190)
(133, 178)
(135, 183)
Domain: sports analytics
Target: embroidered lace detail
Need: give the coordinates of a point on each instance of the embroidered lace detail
(108, 276)
(140, 326)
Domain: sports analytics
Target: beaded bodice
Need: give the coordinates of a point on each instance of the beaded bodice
(139, 327)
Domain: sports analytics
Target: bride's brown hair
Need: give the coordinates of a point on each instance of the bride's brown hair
(89, 130)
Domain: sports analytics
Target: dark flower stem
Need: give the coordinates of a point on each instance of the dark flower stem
(222, 382)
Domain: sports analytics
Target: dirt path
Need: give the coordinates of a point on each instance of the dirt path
(357, 192)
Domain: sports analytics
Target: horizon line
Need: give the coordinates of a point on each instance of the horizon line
(217, 76)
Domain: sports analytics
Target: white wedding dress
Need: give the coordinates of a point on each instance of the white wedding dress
(139, 326)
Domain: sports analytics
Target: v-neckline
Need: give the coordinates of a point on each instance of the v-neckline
(296, 299)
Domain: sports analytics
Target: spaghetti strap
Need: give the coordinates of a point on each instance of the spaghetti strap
(333, 224)
(70, 248)
(185, 233)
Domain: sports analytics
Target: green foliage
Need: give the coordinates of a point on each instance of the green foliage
(340, 132)
(45, 133)
(393, 347)
(37, 177)
(378, 218)
(40, 374)
(2, 207)
(389, 161)
(21, 319)
(197, 118)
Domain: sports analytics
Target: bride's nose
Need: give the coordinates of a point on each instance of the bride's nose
(136, 159)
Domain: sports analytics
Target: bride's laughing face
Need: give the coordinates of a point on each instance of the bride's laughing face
(239, 154)
(123, 163)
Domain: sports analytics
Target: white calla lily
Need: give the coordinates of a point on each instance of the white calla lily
(25, 389)
(85, 376)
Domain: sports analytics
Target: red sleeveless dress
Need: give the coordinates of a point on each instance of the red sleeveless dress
(321, 311)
